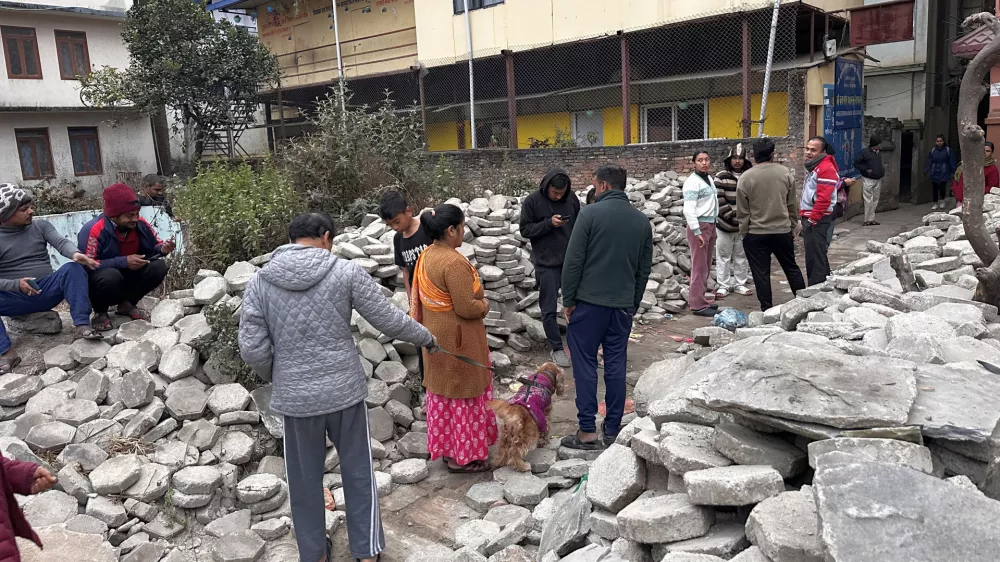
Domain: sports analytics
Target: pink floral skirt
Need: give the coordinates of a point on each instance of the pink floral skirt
(461, 428)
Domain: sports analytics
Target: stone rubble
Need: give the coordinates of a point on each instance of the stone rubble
(832, 425)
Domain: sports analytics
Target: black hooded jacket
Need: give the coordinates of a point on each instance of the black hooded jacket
(548, 244)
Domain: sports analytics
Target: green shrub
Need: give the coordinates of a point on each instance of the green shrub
(233, 213)
(354, 155)
(224, 349)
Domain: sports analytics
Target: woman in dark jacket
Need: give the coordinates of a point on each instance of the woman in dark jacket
(940, 167)
(22, 478)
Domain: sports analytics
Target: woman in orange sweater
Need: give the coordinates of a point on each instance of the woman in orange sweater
(448, 300)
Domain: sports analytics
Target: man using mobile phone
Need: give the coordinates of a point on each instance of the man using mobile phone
(547, 218)
(122, 243)
(27, 282)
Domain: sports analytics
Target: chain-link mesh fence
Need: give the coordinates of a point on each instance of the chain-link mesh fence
(700, 77)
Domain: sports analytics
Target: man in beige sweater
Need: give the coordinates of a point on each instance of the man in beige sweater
(767, 211)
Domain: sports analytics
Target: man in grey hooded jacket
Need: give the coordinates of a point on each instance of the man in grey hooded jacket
(295, 331)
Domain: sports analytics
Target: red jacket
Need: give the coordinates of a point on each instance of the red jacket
(992, 180)
(16, 477)
(819, 190)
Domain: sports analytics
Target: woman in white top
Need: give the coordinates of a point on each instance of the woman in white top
(701, 207)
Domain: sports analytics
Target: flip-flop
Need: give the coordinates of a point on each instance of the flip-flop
(87, 333)
(573, 442)
(135, 314)
(9, 364)
(473, 467)
(102, 323)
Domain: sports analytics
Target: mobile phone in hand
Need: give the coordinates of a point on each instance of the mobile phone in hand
(34, 285)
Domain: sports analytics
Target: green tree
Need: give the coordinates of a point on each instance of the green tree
(207, 71)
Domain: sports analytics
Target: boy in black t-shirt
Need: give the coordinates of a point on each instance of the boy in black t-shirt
(410, 239)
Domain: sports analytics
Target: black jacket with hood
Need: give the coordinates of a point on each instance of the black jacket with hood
(548, 244)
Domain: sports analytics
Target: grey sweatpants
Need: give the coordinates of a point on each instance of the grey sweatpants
(305, 450)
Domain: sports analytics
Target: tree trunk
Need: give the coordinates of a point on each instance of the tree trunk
(161, 133)
(972, 140)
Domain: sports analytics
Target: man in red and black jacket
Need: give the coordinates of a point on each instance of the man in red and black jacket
(129, 253)
(819, 197)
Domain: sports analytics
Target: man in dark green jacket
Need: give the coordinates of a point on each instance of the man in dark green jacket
(604, 277)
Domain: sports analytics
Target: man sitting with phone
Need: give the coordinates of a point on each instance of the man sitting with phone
(128, 253)
(27, 282)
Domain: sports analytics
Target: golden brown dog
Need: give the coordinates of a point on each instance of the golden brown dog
(525, 416)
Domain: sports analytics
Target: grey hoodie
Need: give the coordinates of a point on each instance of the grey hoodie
(296, 329)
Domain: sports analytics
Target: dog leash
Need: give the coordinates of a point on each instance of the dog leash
(469, 360)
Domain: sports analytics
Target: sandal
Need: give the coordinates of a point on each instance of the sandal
(135, 313)
(87, 333)
(573, 442)
(8, 364)
(473, 467)
(102, 323)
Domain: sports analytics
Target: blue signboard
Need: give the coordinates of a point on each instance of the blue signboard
(843, 114)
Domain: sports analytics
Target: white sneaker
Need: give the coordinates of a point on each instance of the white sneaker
(559, 358)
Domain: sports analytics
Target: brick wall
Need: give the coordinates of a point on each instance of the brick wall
(642, 161)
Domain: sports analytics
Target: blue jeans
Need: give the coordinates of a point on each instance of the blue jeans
(590, 327)
(68, 282)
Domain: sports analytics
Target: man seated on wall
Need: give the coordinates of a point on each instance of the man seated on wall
(129, 256)
(154, 193)
(27, 282)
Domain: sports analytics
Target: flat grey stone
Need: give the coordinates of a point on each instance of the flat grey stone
(146, 552)
(197, 479)
(87, 351)
(525, 489)
(605, 525)
(194, 330)
(796, 310)
(786, 528)
(201, 434)
(481, 496)
(890, 451)
(860, 506)
(210, 290)
(378, 393)
(76, 412)
(511, 535)
(227, 398)
(956, 402)
(413, 445)
(909, 326)
(87, 455)
(476, 534)
(109, 512)
(234, 447)
(134, 389)
(93, 386)
(167, 313)
(152, 484)
(59, 356)
(87, 525)
(258, 487)
(685, 446)
(409, 471)
(50, 508)
(187, 403)
(752, 554)
(733, 485)
(391, 372)
(381, 426)
(116, 474)
(659, 518)
(570, 468)
(178, 362)
(50, 437)
(229, 524)
(63, 544)
(98, 432)
(142, 356)
(239, 274)
(681, 410)
(724, 540)
(163, 338)
(45, 323)
(746, 446)
(689, 557)
(657, 380)
(966, 348)
(163, 527)
(616, 478)
(17, 388)
(189, 501)
(271, 529)
(74, 483)
(832, 389)
(243, 546)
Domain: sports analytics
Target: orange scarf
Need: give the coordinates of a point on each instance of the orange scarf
(423, 293)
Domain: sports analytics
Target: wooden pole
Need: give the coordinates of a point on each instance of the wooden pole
(746, 79)
(511, 99)
(626, 86)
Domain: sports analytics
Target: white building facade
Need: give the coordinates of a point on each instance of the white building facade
(47, 135)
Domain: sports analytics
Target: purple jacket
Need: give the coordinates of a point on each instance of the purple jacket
(536, 396)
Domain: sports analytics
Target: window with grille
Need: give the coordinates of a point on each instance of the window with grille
(35, 153)
(474, 4)
(74, 58)
(86, 149)
(20, 49)
(674, 122)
